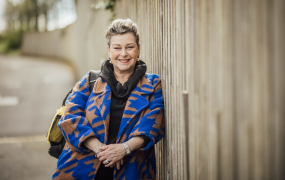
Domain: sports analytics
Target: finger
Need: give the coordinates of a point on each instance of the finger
(103, 158)
(103, 148)
(118, 165)
(97, 154)
(110, 164)
(122, 162)
(100, 154)
(107, 163)
(112, 161)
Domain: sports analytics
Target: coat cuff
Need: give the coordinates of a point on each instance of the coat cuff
(146, 140)
(147, 143)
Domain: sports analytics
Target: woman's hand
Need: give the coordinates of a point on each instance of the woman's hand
(114, 153)
(118, 164)
(93, 144)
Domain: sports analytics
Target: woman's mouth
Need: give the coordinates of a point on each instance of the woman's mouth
(124, 60)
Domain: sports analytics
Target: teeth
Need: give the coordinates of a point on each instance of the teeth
(124, 60)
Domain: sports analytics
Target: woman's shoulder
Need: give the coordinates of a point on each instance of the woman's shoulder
(90, 76)
(85, 77)
(153, 78)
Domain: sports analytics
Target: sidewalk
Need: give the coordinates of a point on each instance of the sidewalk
(31, 89)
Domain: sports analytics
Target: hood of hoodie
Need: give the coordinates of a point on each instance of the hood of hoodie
(119, 90)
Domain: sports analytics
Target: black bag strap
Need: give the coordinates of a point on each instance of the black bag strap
(93, 76)
(64, 100)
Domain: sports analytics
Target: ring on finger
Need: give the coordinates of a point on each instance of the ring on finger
(107, 161)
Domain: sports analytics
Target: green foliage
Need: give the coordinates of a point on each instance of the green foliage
(110, 5)
(19, 17)
(11, 41)
(26, 13)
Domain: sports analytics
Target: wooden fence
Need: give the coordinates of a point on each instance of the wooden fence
(229, 55)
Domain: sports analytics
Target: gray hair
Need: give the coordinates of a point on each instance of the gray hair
(122, 26)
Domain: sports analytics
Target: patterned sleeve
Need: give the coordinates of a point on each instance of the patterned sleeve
(151, 124)
(73, 124)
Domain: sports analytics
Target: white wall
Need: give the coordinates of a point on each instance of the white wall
(82, 43)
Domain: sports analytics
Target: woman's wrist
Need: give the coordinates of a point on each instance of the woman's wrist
(135, 143)
(93, 144)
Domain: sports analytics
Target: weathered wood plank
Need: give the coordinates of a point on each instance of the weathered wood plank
(229, 56)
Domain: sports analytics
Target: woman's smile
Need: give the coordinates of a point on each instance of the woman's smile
(124, 60)
(123, 52)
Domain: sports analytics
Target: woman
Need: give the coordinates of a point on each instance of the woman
(111, 131)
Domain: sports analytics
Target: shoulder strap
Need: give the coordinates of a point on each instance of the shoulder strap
(93, 76)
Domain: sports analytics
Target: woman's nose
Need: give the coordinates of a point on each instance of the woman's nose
(123, 53)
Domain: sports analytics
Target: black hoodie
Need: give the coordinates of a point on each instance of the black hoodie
(120, 95)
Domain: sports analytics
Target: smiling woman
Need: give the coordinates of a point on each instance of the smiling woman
(123, 48)
(111, 131)
(123, 53)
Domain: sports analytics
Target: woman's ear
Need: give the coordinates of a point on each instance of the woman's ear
(139, 48)
(108, 51)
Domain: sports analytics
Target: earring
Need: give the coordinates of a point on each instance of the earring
(110, 61)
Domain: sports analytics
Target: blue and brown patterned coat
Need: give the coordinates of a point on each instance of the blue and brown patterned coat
(88, 114)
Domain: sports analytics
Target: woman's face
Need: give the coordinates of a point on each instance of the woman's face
(123, 52)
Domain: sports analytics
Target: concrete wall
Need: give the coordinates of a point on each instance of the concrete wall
(82, 43)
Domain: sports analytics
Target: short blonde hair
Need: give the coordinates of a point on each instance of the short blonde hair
(122, 26)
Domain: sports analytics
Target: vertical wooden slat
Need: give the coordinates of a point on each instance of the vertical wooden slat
(229, 56)
(186, 128)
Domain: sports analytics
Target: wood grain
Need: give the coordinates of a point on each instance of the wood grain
(229, 56)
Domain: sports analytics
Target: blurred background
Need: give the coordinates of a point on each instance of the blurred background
(227, 56)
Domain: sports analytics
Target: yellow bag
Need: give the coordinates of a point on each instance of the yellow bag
(54, 134)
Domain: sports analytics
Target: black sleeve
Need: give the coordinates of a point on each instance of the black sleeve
(146, 140)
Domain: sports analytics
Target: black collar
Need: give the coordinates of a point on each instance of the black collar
(119, 90)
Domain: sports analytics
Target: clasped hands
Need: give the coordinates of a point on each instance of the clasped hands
(111, 155)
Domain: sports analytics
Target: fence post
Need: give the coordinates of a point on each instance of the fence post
(186, 130)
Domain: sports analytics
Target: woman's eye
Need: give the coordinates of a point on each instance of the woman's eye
(130, 47)
(117, 48)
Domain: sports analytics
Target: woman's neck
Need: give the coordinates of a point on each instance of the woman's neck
(123, 77)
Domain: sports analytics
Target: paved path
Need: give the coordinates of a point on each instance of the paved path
(30, 91)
